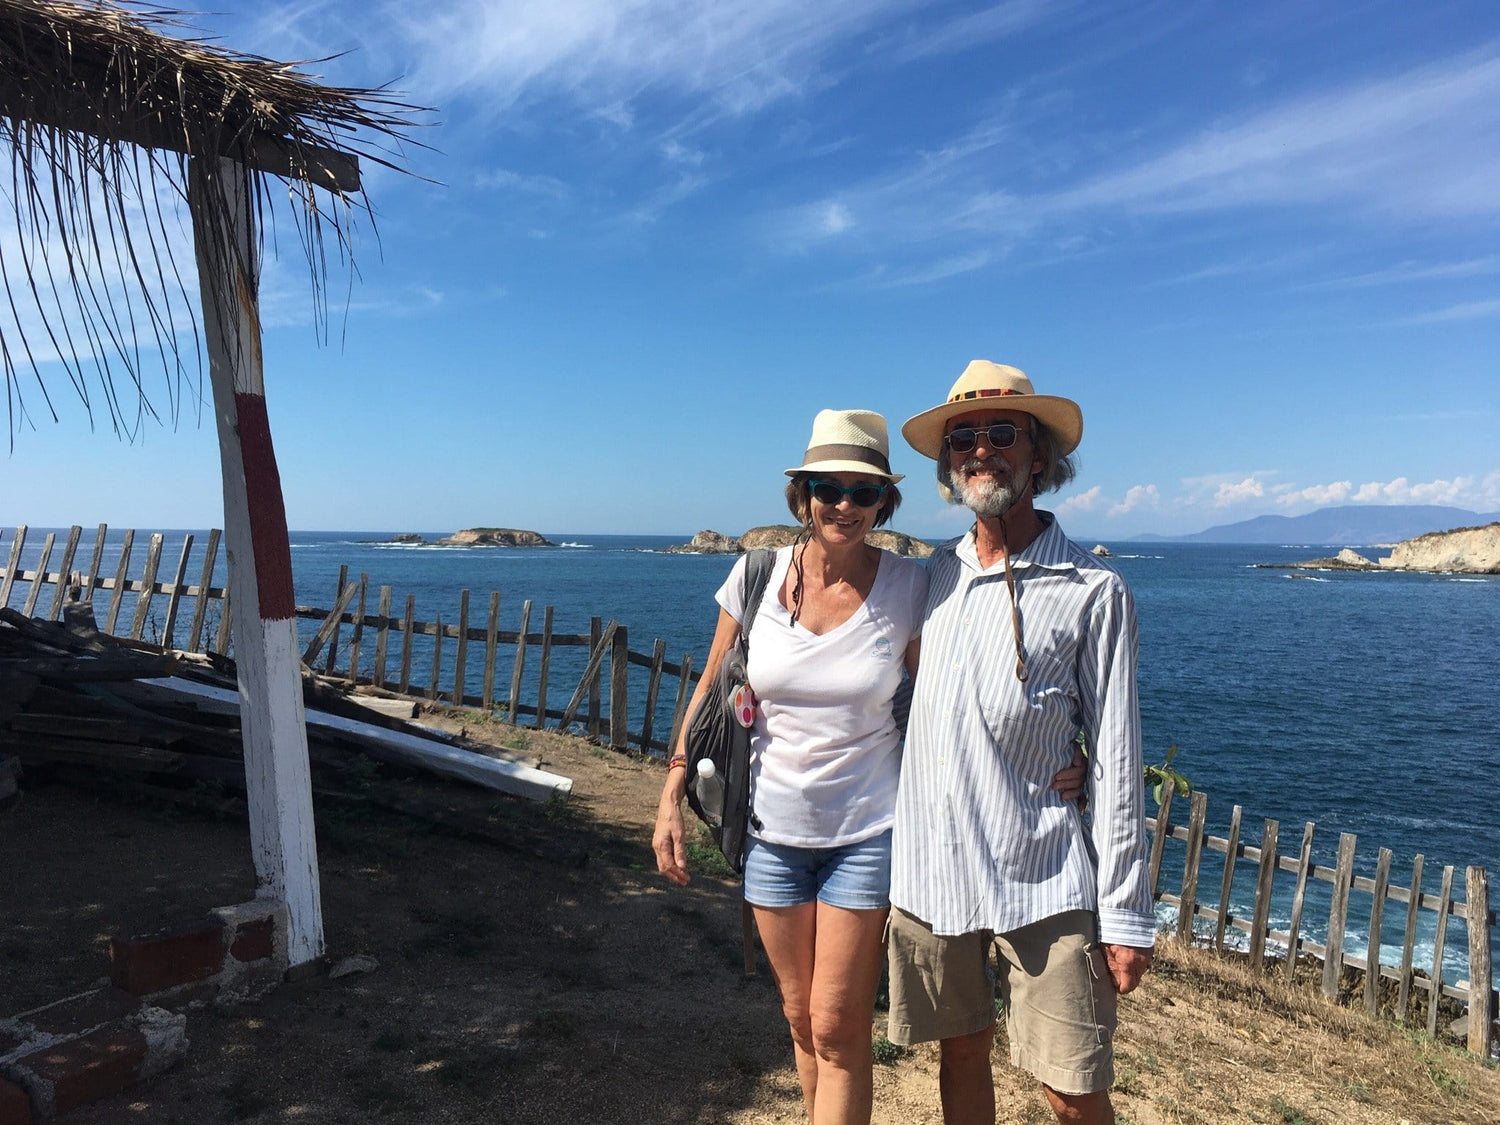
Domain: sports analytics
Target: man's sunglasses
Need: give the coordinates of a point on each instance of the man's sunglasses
(1002, 435)
(861, 495)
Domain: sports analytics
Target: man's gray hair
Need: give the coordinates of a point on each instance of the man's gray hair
(1056, 471)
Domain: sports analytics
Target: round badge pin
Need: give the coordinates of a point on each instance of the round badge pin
(744, 706)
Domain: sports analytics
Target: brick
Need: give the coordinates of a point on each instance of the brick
(254, 941)
(144, 965)
(87, 1069)
(15, 1106)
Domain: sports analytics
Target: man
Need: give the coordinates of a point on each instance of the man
(1028, 640)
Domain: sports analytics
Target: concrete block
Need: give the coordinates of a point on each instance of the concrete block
(75, 1072)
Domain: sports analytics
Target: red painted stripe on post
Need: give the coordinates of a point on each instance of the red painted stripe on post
(273, 552)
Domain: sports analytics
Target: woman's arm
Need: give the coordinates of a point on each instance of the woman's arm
(668, 841)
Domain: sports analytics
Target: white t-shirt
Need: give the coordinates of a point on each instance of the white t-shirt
(825, 752)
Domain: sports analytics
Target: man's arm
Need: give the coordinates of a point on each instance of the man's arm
(1112, 726)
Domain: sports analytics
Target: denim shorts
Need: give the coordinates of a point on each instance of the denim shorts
(852, 877)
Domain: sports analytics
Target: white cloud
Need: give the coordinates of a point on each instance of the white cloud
(1084, 502)
(1237, 492)
(1404, 272)
(1136, 497)
(1467, 310)
(977, 29)
(836, 219)
(504, 178)
(1319, 494)
(1402, 491)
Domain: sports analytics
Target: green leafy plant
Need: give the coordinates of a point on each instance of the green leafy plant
(1157, 776)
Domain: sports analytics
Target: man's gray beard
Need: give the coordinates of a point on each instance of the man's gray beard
(989, 499)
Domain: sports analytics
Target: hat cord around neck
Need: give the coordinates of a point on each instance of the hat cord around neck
(1022, 673)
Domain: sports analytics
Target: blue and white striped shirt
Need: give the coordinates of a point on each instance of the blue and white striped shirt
(981, 841)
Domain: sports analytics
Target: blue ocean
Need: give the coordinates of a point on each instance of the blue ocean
(1364, 702)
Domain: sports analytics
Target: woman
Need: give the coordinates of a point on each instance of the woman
(837, 626)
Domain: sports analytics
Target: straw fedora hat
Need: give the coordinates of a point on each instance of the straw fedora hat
(848, 441)
(994, 386)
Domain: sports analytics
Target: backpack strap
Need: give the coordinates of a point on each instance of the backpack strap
(758, 566)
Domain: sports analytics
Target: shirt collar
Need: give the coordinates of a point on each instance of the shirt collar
(1048, 550)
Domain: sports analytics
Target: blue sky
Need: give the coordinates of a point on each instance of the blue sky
(1258, 243)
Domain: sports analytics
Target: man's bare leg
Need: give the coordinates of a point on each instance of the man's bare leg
(1081, 1109)
(965, 1080)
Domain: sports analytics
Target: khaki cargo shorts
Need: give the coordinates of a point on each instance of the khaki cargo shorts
(1059, 999)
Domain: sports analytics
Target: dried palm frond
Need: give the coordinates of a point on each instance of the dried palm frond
(102, 107)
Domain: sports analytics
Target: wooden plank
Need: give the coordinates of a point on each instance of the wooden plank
(491, 639)
(148, 587)
(1264, 886)
(121, 570)
(406, 627)
(679, 709)
(590, 676)
(175, 596)
(1481, 969)
(16, 544)
(437, 659)
(1409, 942)
(1197, 815)
(619, 690)
(519, 666)
(452, 761)
(1161, 830)
(91, 582)
(226, 624)
(593, 724)
(1439, 945)
(39, 575)
(333, 642)
(330, 627)
(461, 656)
(541, 686)
(382, 636)
(205, 581)
(64, 570)
(1377, 918)
(1231, 853)
(1304, 862)
(1338, 915)
(653, 685)
(359, 629)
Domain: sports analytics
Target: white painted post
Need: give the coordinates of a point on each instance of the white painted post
(278, 781)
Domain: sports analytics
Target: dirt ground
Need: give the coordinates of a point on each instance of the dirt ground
(517, 988)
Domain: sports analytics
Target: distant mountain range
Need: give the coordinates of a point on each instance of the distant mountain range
(1349, 525)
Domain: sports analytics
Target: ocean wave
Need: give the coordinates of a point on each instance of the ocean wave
(1158, 557)
(580, 546)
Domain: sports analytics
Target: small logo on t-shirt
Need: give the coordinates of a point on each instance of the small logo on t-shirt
(882, 649)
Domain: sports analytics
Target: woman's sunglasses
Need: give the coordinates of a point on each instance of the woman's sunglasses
(860, 495)
(1002, 435)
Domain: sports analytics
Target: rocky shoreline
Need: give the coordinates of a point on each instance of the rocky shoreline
(475, 537)
(780, 535)
(1464, 550)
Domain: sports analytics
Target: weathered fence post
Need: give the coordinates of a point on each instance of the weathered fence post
(1264, 883)
(519, 668)
(460, 659)
(679, 710)
(1294, 927)
(63, 571)
(491, 639)
(546, 662)
(1439, 946)
(1338, 915)
(1377, 918)
(41, 569)
(359, 630)
(382, 636)
(1409, 942)
(619, 688)
(1231, 853)
(1162, 831)
(1481, 971)
(117, 595)
(148, 588)
(595, 627)
(11, 567)
(1197, 814)
(333, 640)
(653, 685)
(407, 621)
(205, 580)
(92, 581)
(179, 580)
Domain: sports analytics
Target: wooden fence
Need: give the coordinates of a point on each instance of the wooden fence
(1265, 861)
(388, 643)
(348, 631)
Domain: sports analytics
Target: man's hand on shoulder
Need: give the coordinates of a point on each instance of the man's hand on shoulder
(1127, 965)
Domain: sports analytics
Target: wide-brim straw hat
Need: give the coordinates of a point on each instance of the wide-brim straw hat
(848, 441)
(994, 386)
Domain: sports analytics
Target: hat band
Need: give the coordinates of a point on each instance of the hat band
(987, 392)
(860, 453)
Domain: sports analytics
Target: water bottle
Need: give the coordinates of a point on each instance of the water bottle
(709, 789)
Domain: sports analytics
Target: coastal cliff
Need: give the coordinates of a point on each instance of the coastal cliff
(1464, 550)
(780, 535)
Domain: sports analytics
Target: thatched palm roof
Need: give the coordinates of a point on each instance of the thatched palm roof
(102, 106)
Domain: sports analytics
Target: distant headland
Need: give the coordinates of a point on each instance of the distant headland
(476, 537)
(781, 535)
(1464, 550)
